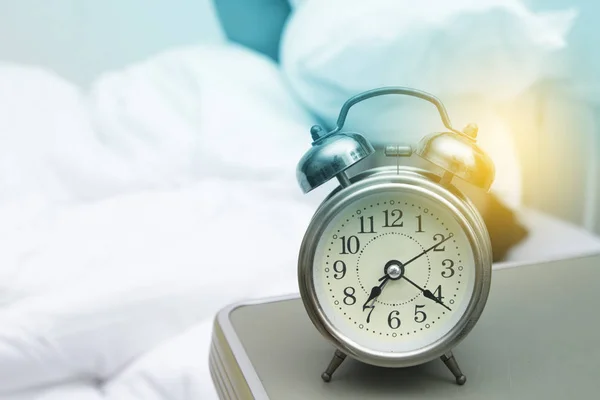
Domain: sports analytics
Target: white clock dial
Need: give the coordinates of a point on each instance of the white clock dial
(394, 271)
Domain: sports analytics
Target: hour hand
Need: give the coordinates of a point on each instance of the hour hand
(375, 292)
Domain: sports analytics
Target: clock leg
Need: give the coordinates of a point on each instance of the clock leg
(335, 362)
(452, 365)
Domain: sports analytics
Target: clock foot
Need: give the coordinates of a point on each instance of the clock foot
(335, 362)
(452, 365)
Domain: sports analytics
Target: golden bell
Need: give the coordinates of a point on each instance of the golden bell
(458, 154)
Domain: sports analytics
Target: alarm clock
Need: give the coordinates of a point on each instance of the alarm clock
(395, 266)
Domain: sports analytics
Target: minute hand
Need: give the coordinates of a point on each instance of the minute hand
(427, 250)
(427, 293)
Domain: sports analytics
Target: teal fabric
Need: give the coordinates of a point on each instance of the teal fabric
(256, 24)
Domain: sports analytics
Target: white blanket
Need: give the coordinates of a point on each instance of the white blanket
(132, 213)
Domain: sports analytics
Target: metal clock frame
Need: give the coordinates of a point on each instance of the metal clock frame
(404, 179)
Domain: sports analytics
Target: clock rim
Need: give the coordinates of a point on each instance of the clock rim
(417, 181)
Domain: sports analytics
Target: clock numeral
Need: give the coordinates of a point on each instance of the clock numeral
(350, 246)
(371, 225)
(340, 268)
(420, 316)
(438, 237)
(393, 320)
(372, 307)
(393, 214)
(419, 224)
(349, 299)
(438, 293)
(448, 272)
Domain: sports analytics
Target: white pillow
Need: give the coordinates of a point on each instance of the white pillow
(469, 53)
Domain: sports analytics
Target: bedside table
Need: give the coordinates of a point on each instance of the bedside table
(537, 338)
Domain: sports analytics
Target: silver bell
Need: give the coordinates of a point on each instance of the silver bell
(329, 156)
(459, 155)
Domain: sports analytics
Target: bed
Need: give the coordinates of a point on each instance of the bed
(128, 211)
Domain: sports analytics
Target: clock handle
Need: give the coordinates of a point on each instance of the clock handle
(333, 152)
(316, 133)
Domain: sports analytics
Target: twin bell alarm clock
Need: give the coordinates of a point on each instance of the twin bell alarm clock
(395, 266)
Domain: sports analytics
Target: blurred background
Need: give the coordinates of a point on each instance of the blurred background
(80, 40)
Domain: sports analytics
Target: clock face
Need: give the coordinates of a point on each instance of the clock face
(394, 271)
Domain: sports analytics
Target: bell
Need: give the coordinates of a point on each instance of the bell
(458, 154)
(329, 156)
